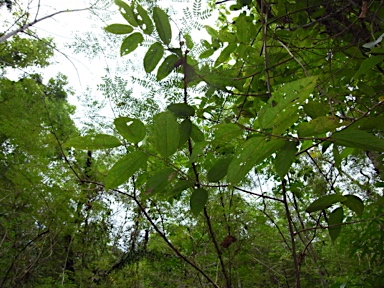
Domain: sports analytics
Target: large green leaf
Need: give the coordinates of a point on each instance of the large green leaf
(153, 56)
(225, 132)
(162, 24)
(166, 67)
(119, 29)
(325, 202)
(124, 169)
(159, 181)
(198, 200)
(285, 157)
(166, 133)
(355, 204)
(93, 142)
(127, 12)
(315, 109)
(131, 129)
(144, 21)
(368, 64)
(254, 151)
(196, 134)
(358, 139)
(219, 169)
(224, 55)
(181, 110)
(185, 131)
(319, 125)
(335, 220)
(285, 102)
(131, 43)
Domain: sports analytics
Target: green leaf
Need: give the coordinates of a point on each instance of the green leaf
(358, 139)
(182, 185)
(163, 26)
(131, 129)
(124, 169)
(224, 55)
(127, 12)
(153, 56)
(94, 142)
(166, 67)
(243, 31)
(325, 202)
(368, 64)
(335, 220)
(198, 149)
(181, 110)
(130, 43)
(212, 32)
(355, 204)
(319, 125)
(185, 131)
(188, 41)
(198, 200)
(119, 29)
(145, 22)
(166, 133)
(285, 157)
(254, 151)
(159, 181)
(336, 156)
(207, 53)
(225, 132)
(196, 134)
(315, 109)
(219, 170)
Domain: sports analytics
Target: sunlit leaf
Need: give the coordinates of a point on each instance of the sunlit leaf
(224, 55)
(94, 142)
(131, 129)
(153, 56)
(319, 125)
(325, 202)
(198, 200)
(119, 29)
(166, 133)
(254, 151)
(162, 24)
(335, 220)
(124, 169)
(131, 43)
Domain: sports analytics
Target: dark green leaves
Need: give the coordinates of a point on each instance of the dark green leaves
(131, 129)
(198, 200)
(119, 29)
(325, 202)
(358, 139)
(93, 142)
(355, 204)
(159, 181)
(166, 133)
(219, 170)
(131, 43)
(335, 220)
(284, 158)
(166, 67)
(143, 19)
(162, 24)
(153, 56)
(124, 169)
(181, 110)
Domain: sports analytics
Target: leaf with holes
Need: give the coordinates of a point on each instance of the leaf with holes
(131, 43)
(131, 129)
(144, 21)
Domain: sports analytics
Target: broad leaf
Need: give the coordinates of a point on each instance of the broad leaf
(325, 202)
(358, 139)
(145, 22)
(225, 53)
(225, 132)
(185, 131)
(162, 24)
(284, 158)
(368, 64)
(319, 125)
(153, 56)
(124, 169)
(182, 185)
(131, 43)
(94, 142)
(254, 151)
(166, 133)
(335, 220)
(119, 29)
(198, 200)
(159, 181)
(181, 110)
(127, 12)
(315, 109)
(131, 129)
(219, 170)
(355, 204)
(196, 134)
(166, 67)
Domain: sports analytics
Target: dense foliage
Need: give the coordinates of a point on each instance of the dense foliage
(264, 169)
